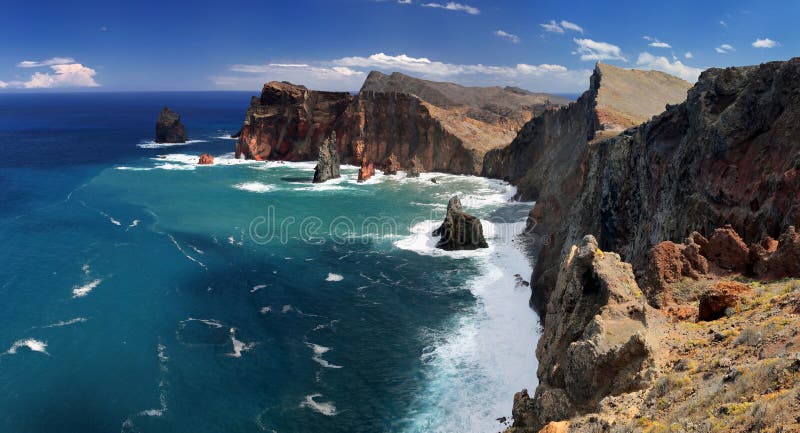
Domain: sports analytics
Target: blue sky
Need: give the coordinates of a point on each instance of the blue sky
(538, 45)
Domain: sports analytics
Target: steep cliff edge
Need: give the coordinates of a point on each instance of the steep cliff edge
(728, 155)
(446, 126)
(555, 142)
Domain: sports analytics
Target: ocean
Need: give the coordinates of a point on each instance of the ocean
(144, 293)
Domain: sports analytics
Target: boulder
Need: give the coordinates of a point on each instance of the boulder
(716, 302)
(328, 161)
(459, 230)
(669, 263)
(169, 128)
(206, 159)
(727, 250)
(391, 166)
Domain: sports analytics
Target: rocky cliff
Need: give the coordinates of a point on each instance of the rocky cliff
(728, 155)
(446, 126)
(694, 199)
(556, 142)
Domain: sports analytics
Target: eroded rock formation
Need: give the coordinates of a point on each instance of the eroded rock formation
(391, 166)
(595, 341)
(367, 169)
(446, 126)
(710, 161)
(169, 128)
(327, 162)
(459, 230)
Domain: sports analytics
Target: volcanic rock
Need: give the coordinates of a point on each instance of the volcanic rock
(169, 128)
(447, 126)
(391, 166)
(717, 301)
(460, 230)
(366, 171)
(669, 263)
(727, 250)
(414, 168)
(206, 159)
(328, 161)
(595, 342)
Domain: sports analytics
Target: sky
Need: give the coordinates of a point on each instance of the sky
(548, 46)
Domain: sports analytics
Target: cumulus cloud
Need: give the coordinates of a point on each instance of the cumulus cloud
(452, 6)
(688, 55)
(571, 26)
(593, 51)
(766, 43)
(348, 73)
(724, 48)
(508, 36)
(676, 67)
(64, 75)
(48, 62)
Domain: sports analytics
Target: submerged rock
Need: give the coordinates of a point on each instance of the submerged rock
(169, 128)
(206, 159)
(460, 230)
(328, 162)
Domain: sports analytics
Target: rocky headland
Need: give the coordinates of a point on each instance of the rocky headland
(169, 128)
(445, 126)
(699, 333)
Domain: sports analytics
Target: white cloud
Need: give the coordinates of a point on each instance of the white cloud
(659, 44)
(65, 75)
(660, 63)
(571, 26)
(452, 6)
(404, 2)
(688, 55)
(593, 51)
(724, 48)
(348, 73)
(552, 27)
(723, 23)
(3, 84)
(48, 62)
(766, 43)
(508, 36)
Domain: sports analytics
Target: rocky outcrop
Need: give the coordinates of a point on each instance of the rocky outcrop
(781, 259)
(669, 263)
(391, 166)
(414, 168)
(595, 342)
(722, 299)
(206, 159)
(728, 155)
(446, 126)
(367, 170)
(169, 128)
(549, 152)
(289, 122)
(327, 162)
(459, 230)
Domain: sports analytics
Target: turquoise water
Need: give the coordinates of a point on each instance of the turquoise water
(145, 293)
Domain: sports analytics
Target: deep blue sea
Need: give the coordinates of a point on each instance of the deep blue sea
(144, 293)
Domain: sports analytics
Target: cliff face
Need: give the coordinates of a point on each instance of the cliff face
(556, 142)
(728, 155)
(289, 122)
(446, 126)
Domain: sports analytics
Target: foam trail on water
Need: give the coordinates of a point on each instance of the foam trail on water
(318, 352)
(65, 323)
(154, 145)
(128, 425)
(32, 344)
(178, 246)
(81, 291)
(334, 277)
(325, 408)
(239, 346)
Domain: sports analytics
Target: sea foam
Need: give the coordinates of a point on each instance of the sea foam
(325, 408)
(32, 344)
(81, 291)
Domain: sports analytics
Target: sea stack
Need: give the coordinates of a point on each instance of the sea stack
(460, 230)
(391, 166)
(169, 128)
(328, 161)
(414, 168)
(367, 169)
